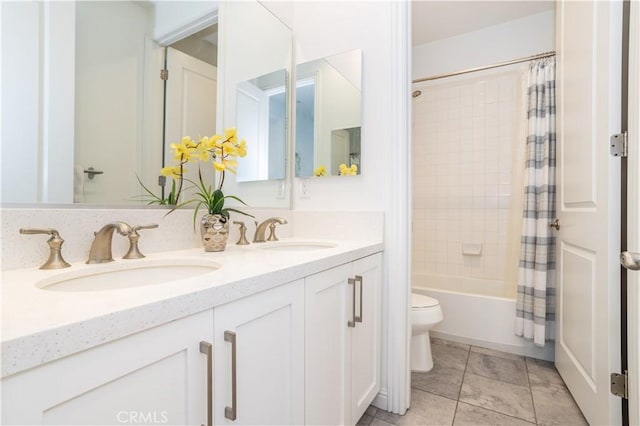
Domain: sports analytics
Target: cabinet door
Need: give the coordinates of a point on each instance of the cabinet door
(328, 307)
(157, 376)
(268, 331)
(366, 335)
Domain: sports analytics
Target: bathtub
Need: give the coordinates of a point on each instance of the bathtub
(477, 312)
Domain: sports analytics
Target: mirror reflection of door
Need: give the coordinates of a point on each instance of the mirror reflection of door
(261, 118)
(345, 149)
(109, 98)
(305, 126)
(190, 98)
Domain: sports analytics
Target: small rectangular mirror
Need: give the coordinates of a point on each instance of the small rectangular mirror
(328, 115)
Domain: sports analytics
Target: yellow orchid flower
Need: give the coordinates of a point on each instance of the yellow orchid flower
(230, 149)
(173, 171)
(231, 135)
(320, 171)
(220, 149)
(348, 171)
(181, 152)
(188, 142)
(242, 148)
(219, 166)
(201, 154)
(211, 142)
(230, 163)
(203, 142)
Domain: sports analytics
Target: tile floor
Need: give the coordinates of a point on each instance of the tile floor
(469, 385)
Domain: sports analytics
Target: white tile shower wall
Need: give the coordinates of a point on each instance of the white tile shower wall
(463, 134)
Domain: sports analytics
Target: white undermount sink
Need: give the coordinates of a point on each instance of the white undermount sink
(297, 245)
(123, 274)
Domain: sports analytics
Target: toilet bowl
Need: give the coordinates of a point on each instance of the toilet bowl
(425, 313)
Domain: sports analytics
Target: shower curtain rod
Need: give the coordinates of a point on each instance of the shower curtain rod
(487, 67)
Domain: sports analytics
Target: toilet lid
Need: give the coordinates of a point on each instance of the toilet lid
(422, 301)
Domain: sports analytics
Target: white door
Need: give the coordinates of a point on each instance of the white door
(366, 335)
(190, 104)
(328, 307)
(587, 294)
(633, 214)
(259, 358)
(339, 150)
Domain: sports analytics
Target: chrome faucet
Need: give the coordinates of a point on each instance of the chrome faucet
(261, 229)
(101, 247)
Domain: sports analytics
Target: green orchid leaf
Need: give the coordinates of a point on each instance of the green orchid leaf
(230, 209)
(236, 198)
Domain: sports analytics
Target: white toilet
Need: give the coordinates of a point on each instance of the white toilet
(425, 313)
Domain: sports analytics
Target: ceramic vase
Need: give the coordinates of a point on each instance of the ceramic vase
(214, 230)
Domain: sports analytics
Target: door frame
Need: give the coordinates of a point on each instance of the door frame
(633, 213)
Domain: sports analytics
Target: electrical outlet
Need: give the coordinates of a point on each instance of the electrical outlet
(304, 188)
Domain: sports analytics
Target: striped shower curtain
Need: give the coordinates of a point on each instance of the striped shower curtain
(535, 307)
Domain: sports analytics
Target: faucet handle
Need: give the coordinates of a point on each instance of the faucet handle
(55, 260)
(242, 241)
(134, 252)
(272, 233)
(53, 232)
(272, 228)
(139, 227)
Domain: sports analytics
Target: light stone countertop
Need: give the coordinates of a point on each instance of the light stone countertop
(39, 326)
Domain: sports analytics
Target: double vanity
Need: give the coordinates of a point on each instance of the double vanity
(284, 332)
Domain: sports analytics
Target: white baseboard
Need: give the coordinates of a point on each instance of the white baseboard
(380, 401)
(532, 351)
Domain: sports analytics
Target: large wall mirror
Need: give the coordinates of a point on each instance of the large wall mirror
(328, 115)
(88, 115)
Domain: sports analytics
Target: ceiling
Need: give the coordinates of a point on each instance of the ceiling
(435, 20)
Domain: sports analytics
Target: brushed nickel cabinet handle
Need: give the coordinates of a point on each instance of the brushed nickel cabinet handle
(207, 349)
(231, 412)
(352, 323)
(359, 280)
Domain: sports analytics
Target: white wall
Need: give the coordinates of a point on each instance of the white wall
(510, 40)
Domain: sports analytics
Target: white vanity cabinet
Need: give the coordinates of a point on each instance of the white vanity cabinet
(342, 341)
(259, 358)
(157, 376)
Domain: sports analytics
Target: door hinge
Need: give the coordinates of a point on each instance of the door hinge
(619, 385)
(619, 144)
(164, 74)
